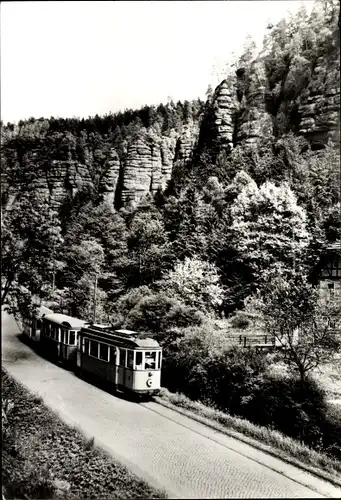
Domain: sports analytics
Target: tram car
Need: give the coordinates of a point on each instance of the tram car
(130, 361)
(32, 326)
(59, 337)
(126, 360)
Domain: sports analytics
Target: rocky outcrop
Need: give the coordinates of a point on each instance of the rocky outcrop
(320, 104)
(217, 127)
(223, 111)
(252, 121)
(53, 183)
(186, 143)
(147, 167)
(110, 177)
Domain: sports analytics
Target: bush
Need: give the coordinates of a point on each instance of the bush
(158, 312)
(184, 364)
(331, 429)
(234, 377)
(240, 320)
(291, 406)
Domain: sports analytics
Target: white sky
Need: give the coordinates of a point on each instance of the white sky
(81, 58)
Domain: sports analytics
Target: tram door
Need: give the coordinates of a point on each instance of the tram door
(120, 366)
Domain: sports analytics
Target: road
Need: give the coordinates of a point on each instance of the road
(169, 450)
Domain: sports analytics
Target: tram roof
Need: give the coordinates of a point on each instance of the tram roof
(43, 310)
(123, 338)
(64, 320)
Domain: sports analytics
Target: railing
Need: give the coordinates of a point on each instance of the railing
(257, 340)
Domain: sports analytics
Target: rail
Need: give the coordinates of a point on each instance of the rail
(257, 340)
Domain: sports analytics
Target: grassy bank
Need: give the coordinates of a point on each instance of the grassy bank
(284, 446)
(44, 458)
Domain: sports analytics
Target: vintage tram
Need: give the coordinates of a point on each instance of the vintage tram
(130, 361)
(59, 337)
(127, 361)
(32, 326)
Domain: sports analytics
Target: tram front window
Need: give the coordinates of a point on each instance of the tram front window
(149, 360)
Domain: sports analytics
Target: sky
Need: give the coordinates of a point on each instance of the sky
(78, 59)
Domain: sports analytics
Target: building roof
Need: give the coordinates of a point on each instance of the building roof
(64, 320)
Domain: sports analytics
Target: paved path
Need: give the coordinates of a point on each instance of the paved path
(167, 449)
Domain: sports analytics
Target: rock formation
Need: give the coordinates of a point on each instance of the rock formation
(252, 121)
(147, 167)
(320, 104)
(109, 180)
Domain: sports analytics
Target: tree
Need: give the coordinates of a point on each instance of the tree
(195, 283)
(148, 249)
(269, 230)
(84, 266)
(300, 321)
(31, 246)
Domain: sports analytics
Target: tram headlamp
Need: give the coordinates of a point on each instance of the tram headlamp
(149, 382)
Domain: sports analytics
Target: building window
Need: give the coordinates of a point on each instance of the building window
(94, 349)
(331, 289)
(103, 352)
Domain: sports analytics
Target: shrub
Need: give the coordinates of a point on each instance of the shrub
(158, 312)
(291, 406)
(234, 377)
(331, 428)
(240, 320)
(184, 362)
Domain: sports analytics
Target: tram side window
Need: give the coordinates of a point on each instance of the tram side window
(72, 337)
(112, 355)
(122, 357)
(159, 360)
(94, 348)
(86, 346)
(103, 352)
(139, 361)
(150, 360)
(62, 336)
(130, 359)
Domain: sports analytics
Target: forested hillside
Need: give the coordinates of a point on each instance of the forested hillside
(188, 219)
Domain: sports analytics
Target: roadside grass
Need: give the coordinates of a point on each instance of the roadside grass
(42, 457)
(284, 446)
